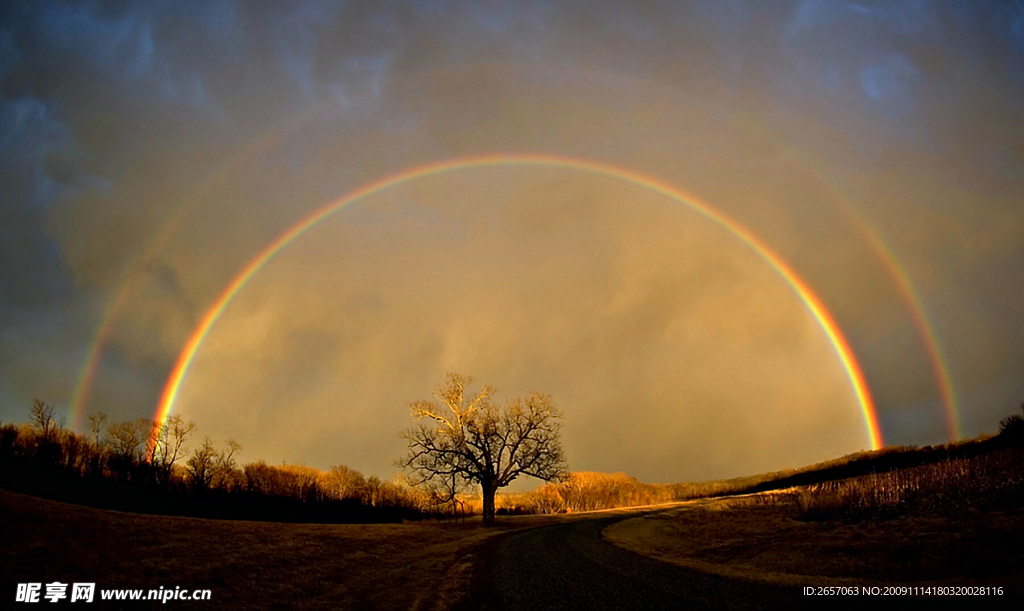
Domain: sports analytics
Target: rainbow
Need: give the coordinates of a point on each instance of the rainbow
(131, 283)
(812, 302)
(925, 329)
(908, 294)
(132, 279)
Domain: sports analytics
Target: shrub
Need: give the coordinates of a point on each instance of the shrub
(1011, 429)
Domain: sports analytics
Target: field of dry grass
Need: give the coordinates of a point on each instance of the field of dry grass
(246, 565)
(960, 522)
(954, 487)
(957, 522)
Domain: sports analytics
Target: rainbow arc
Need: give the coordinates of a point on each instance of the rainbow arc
(789, 275)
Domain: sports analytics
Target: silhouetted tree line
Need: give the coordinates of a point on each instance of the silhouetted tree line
(142, 466)
(137, 466)
(1011, 429)
(890, 459)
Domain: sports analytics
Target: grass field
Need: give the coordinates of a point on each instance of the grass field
(246, 565)
(767, 542)
(958, 522)
(954, 522)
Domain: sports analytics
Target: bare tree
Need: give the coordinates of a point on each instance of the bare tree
(225, 472)
(96, 422)
(226, 460)
(201, 465)
(130, 446)
(444, 490)
(169, 439)
(471, 439)
(44, 417)
(127, 439)
(208, 467)
(96, 451)
(346, 483)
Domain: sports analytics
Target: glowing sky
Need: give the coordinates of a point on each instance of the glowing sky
(149, 151)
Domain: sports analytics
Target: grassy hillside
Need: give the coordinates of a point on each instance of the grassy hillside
(584, 491)
(246, 565)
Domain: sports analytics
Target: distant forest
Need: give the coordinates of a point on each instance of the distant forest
(146, 467)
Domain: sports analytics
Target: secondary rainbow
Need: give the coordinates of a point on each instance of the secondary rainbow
(812, 302)
(907, 292)
(130, 284)
(925, 329)
(132, 279)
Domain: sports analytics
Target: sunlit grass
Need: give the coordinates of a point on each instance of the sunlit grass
(988, 482)
(958, 521)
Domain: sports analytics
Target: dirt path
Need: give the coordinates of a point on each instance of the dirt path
(570, 566)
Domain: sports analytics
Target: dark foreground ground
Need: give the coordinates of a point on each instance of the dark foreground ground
(570, 566)
(560, 562)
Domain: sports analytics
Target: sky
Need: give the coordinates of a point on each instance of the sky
(650, 162)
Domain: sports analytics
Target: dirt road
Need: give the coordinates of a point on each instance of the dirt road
(569, 566)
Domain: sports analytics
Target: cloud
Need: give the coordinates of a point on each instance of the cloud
(632, 310)
(151, 149)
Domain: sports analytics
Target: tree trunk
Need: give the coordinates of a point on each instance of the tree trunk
(488, 489)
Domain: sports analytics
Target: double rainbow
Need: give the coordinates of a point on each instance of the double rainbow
(133, 280)
(907, 292)
(807, 296)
